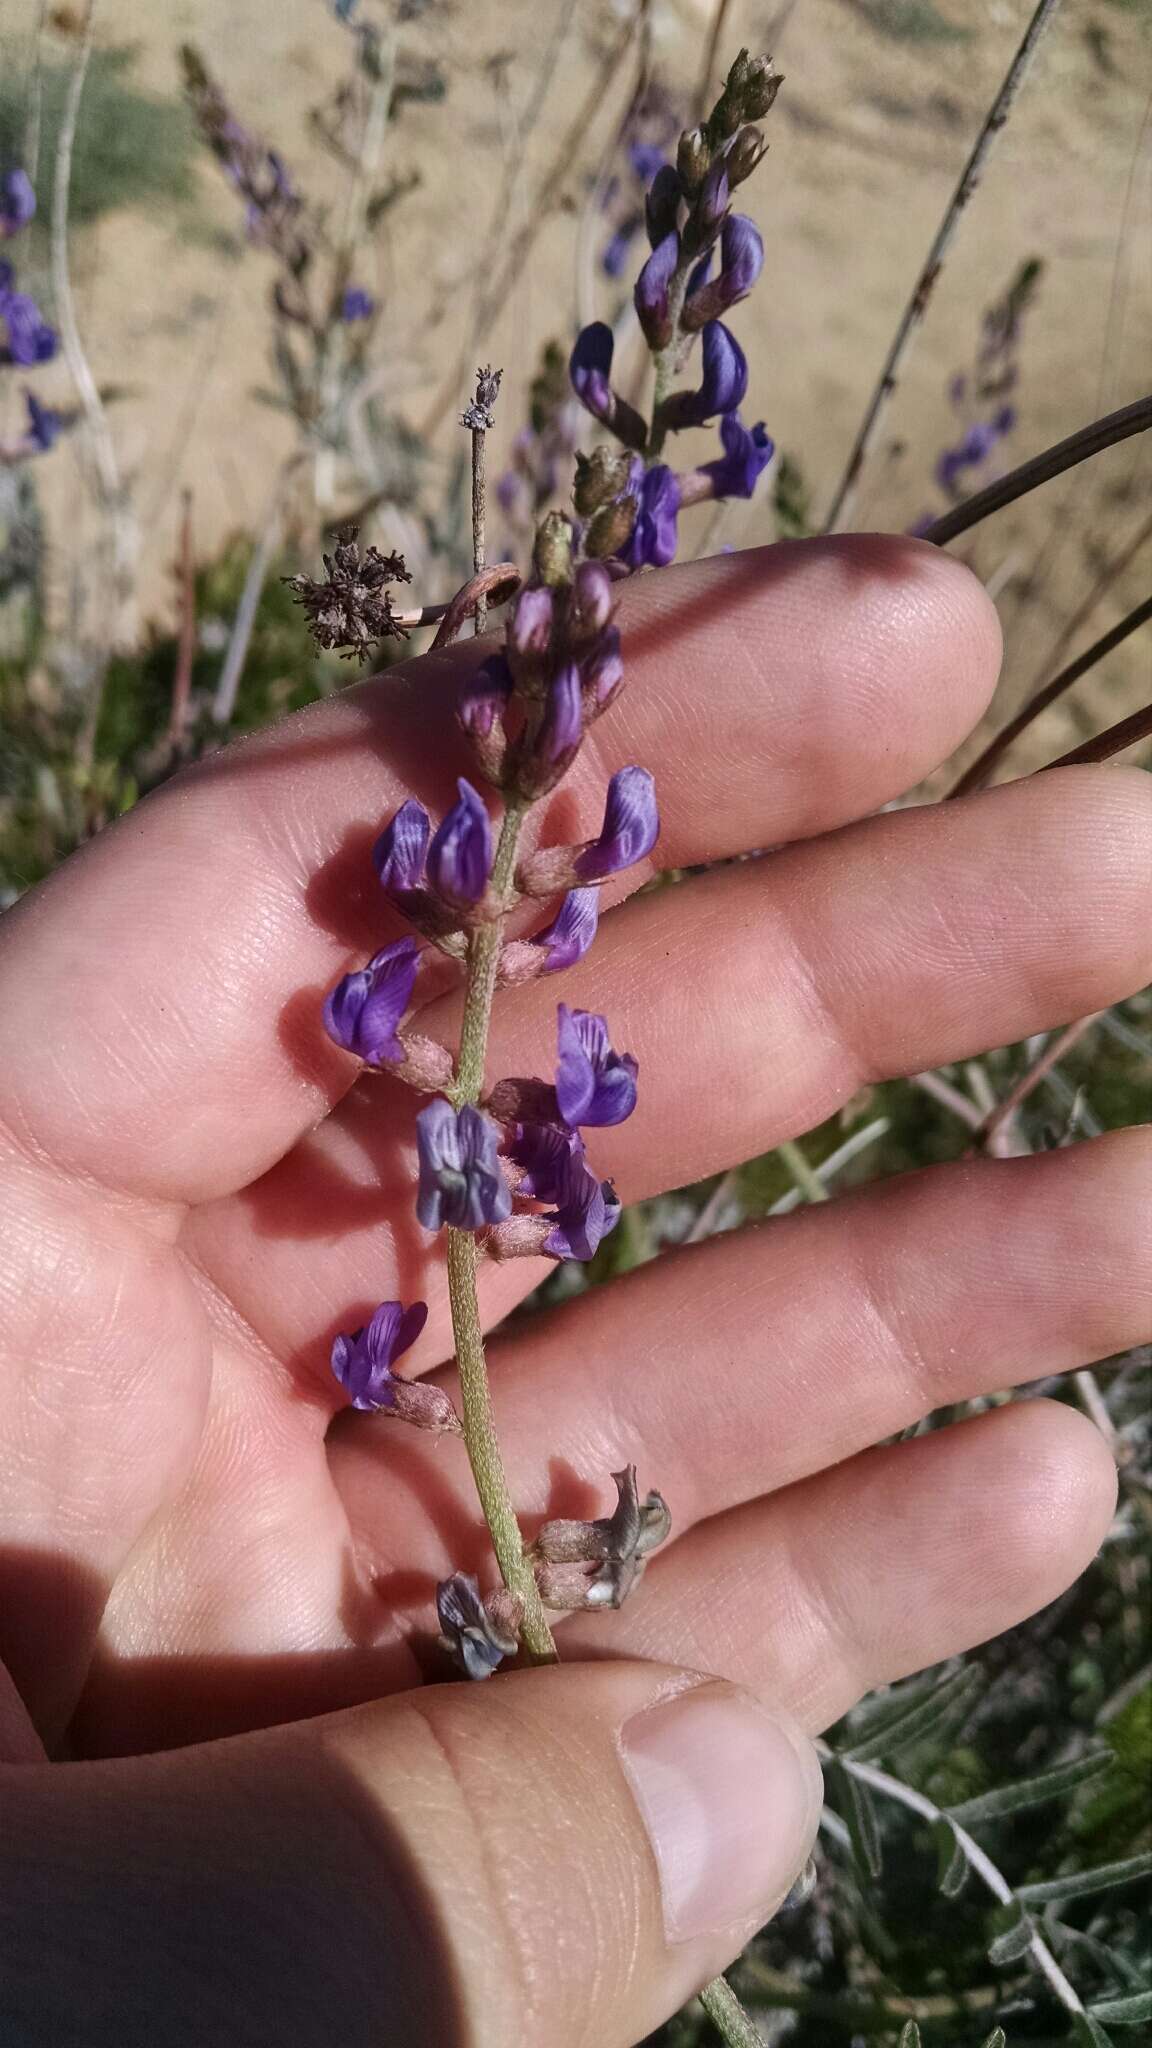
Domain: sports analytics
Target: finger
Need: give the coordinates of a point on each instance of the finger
(757, 1001)
(553, 1858)
(807, 1339)
(892, 1562)
(160, 1029)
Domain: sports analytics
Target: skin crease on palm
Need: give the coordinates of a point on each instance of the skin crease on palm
(199, 1190)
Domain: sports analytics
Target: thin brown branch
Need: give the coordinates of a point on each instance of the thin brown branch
(1091, 440)
(493, 586)
(1114, 741)
(913, 315)
(1052, 1054)
(186, 642)
(977, 775)
(708, 68)
(1130, 552)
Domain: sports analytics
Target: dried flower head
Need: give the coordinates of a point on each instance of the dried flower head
(350, 610)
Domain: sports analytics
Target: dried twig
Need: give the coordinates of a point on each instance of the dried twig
(236, 653)
(1053, 1052)
(186, 642)
(913, 314)
(708, 68)
(1114, 741)
(948, 1097)
(119, 538)
(1132, 550)
(1091, 440)
(478, 417)
(493, 586)
(977, 775)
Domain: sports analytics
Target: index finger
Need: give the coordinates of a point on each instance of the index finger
(161, 1030)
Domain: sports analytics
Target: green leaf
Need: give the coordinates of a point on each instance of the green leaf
(860, 1814)
(1015, 1937)
(1079, 1883)
(909, 2035)
(1124, 2012)
(952, 1866)
(1089, 2031)
(912, 1722)
(995, 2039)
(1035, 1791)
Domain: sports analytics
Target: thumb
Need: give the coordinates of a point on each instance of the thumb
(556, 1857)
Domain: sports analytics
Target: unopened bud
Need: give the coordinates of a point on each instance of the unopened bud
(596, 1564)
(745, 154)
(592, 598)
(425, 1406)
(552, 553)
(662, 205)
(692, 159)
(610, 529)
(600, 477)
(759, 84)
(427, 1065)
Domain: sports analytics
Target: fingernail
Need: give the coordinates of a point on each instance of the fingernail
(730, 1797)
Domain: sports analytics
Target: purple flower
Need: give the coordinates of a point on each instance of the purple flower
(30, 339)
(477, 1635)
(562, 726)
(460, 1178)
(603, 669)
(614, 261)
(541, 1151)
(652, 543)
(741, 257)
(460, 856)
(712, 203)
(590, 368)
(586, 1209)
(651, 293)
(646, 158)
(484, 697)
(364, 1009)
(357, 304)
(630, 829)
(571, 931)
(363, 1362)
(399, 853)
(43, 424)
(592, 590)
(594, 1084)
(723, 383)
(17, 201)
(747, 452)
(530, 629)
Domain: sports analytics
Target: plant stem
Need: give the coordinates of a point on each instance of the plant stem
(479, 1427)
(1102, 433)
(479, 521)
(728, 2016)
(802, 1170)
(977, 775)
(912, 317)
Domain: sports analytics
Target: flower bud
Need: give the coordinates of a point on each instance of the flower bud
(708, 213)
(477, 1634)
(546, 754)
(662, 205)
(552, 553)
(651, 295)
(600, 477)
(746, 152)
(592, 597)
(530, 626)
(603, 673)
(759, 84)
(610, 529)
(460, 856)
(692, 160)
(596, 1564)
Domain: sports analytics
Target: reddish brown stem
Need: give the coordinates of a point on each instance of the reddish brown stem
(186, 643)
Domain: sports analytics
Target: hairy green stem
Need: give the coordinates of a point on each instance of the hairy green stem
(728, 2016)
(480, 1437)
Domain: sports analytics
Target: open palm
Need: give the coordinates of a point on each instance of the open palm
(199, 1190)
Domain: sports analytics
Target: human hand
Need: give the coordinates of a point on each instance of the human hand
(199, 1190)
